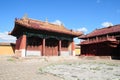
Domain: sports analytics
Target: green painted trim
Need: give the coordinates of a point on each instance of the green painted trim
(49, 36)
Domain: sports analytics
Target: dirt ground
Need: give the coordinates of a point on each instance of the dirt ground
(58, 68)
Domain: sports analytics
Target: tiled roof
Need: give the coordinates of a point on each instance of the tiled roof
(102, 31)
(39, 25)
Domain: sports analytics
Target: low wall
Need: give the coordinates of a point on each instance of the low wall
(7, 49)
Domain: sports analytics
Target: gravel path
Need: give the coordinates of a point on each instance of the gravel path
(58, 68)
(86, 70)
(11, 69)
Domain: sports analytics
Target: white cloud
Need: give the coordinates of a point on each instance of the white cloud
(57, 22)
(106, 24)
(83, 29)
(4, 37)
(76, 40)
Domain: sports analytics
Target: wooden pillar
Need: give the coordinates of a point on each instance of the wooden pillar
(20, 46)
(73, 48)
(96, 38)
(88, 40)
(23, 42)
(59, 48)
(43, 48)
(107, 36)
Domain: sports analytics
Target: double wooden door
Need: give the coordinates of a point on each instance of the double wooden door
(51, 47)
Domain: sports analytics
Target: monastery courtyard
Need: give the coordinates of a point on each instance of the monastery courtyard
(58, 68)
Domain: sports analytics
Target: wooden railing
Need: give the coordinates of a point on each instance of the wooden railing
(98, 40)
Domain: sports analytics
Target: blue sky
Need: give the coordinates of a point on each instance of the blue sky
(85, 15)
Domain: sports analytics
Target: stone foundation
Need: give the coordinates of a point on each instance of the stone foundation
(33, 53)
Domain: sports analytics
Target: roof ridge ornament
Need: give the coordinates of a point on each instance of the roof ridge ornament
(25, 16)
(62, 24)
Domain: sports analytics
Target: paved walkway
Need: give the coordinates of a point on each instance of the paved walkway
(11, 69)
(29, 68)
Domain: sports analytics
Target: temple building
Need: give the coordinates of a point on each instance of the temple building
(38, 38)
(102, 42)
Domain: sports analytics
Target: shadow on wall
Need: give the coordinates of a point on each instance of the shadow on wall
(115, 57)
(117, 53)
(13, 46)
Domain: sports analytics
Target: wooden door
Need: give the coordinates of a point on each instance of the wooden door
(51, 47)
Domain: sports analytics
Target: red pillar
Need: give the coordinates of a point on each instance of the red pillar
(59, 48)
(73, 48)
(23, 42)
(20, 46)
(43, 53)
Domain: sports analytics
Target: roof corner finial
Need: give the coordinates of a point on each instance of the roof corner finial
(25, 16)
